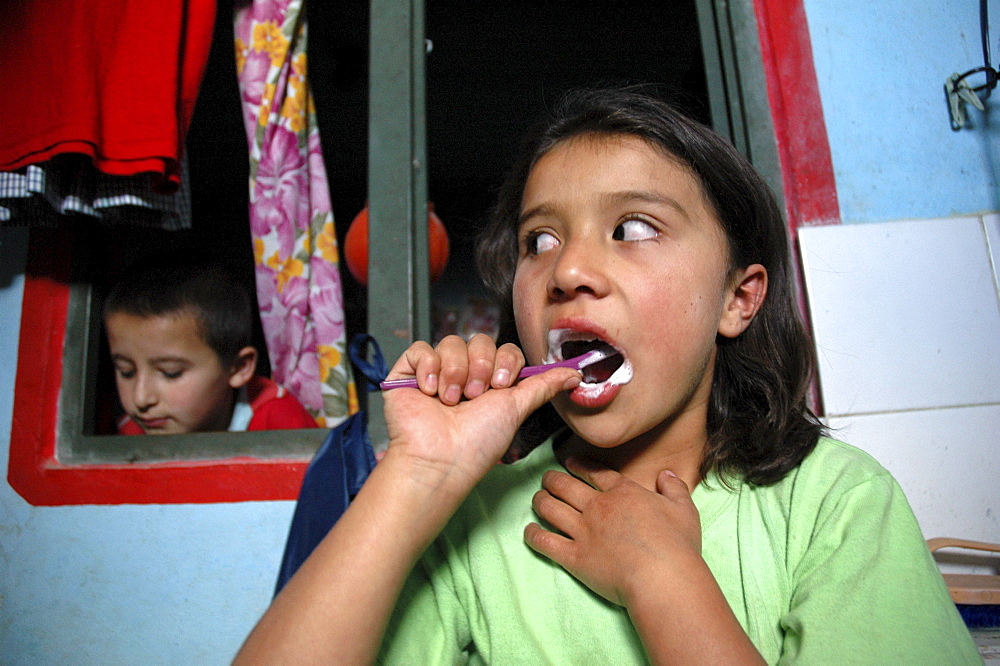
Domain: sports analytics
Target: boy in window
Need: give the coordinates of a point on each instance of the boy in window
(180, 336)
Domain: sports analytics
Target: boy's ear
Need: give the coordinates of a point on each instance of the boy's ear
(746, 294)
(243, 369)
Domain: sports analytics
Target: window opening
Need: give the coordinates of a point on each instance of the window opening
(88, 404)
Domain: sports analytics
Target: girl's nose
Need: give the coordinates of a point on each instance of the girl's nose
(580, 269)
(143, 392)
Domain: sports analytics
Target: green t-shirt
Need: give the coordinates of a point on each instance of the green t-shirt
(826, 566)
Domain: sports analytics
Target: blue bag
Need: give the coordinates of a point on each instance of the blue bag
(336, 472)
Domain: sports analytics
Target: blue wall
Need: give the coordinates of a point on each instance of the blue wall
(881, 73)
(123, 584)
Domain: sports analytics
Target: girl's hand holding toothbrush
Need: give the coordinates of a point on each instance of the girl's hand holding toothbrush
(449, 442)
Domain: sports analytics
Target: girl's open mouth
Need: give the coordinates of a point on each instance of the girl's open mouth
(565, 343)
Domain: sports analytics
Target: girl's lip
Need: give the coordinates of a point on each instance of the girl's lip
(594, 396)
(151, 423)
(579, 325)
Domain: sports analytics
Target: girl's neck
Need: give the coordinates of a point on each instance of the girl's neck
(643, 458)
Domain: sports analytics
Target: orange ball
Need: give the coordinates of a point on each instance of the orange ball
(356, 245)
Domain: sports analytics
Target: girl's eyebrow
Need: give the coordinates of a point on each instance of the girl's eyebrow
(541, 209)
(644, 196)
(615, 199)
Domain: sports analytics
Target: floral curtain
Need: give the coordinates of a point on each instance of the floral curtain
(291, 220)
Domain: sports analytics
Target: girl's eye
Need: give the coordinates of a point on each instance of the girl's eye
(540, 241)
(125, 373)
(172, 374)
(634, 230)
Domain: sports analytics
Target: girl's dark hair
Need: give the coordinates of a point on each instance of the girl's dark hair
(759, 424)
(171, 284)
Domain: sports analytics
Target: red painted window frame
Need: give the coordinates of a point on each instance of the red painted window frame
(34, 470)
(797, 114)
(37, 475)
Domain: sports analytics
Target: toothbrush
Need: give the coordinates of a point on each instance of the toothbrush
(577, 363)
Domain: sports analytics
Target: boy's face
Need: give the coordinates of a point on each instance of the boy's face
(618, 244)
(169, 380)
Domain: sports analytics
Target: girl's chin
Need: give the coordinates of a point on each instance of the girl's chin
(594, 436)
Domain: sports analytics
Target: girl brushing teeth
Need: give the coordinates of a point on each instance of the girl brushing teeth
(687, 509)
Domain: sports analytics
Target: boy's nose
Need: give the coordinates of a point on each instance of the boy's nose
(143, 393)
(581, 268)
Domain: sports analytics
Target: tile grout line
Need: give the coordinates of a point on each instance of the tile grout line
(989, 252)
(909, 410)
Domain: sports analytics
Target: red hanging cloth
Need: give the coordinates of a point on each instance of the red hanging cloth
(115, 80)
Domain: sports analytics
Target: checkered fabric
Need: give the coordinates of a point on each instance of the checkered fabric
(48, 193)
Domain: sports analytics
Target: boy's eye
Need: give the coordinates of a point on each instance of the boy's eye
(634, 230)
(123, 368)
(540, 241)
(172, 374)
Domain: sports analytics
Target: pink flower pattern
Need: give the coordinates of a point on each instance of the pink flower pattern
(291, 219)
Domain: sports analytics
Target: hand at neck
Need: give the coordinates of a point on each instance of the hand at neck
(643, 458)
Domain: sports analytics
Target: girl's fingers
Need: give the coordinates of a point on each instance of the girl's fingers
(672, 486)
(554, 546)
(419, 361)
(509, 361)
(570, 490)
(482, 360)
(455, 369)
(560, 515)
(454, 354)
(533, 392)
(594, 473)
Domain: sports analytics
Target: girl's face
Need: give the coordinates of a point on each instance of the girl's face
(619, 245)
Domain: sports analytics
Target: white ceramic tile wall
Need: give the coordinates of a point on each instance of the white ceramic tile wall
(946, 460)
(905, 314)
(992, 224)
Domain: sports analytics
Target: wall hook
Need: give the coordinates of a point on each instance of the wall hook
(959, 93)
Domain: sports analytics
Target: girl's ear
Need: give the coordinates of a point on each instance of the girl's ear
(243, 369)
(747, 292)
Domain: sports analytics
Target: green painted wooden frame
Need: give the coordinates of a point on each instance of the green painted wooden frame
(398, 276)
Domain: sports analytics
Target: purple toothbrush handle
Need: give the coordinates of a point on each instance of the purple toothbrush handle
(409, 382)
(532, 370)
(527, 371)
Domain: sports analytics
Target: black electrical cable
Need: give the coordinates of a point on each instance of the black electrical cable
(984, 31)
(987, 69)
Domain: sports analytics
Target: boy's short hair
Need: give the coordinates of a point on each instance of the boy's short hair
(173, 284)
(759, 422)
